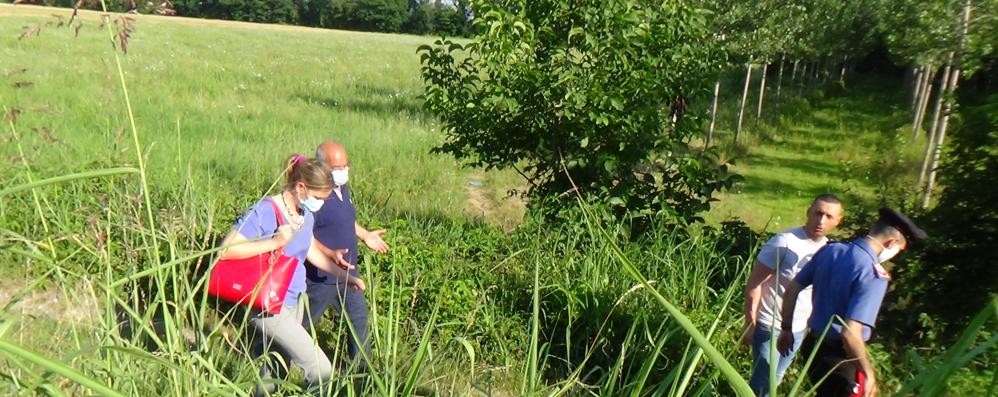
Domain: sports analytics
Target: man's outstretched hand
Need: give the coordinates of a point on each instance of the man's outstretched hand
(374, 242)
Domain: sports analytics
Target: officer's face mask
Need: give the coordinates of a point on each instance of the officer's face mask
(887, 253)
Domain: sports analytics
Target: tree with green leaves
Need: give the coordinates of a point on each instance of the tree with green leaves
(580, 97)
(368, 15)
(955, 34)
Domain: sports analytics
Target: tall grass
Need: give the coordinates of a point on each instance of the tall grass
(457, 307)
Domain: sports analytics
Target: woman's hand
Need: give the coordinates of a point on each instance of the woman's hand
(283, 235)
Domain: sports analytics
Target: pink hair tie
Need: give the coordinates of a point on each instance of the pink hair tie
(298, 159)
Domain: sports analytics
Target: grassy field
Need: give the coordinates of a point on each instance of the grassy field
(225, 103)
(463, 304)
(210, 95)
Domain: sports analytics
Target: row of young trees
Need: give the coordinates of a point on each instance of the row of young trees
(810, 37)
(940, 40)
(943, 41)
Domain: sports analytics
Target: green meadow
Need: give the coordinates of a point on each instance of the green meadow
(102, 280)
(224, 104)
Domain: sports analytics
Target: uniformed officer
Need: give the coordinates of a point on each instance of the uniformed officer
(849, 286)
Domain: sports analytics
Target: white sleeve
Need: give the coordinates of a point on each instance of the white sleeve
(773, 252)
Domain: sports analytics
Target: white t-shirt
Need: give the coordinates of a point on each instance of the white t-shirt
(790, 250)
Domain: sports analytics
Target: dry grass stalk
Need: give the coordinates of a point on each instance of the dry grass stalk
(30, 30)
(16, 71)
(11, 116)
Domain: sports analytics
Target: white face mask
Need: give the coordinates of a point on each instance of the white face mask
(311, 204)
(341, 177)
(887, 253)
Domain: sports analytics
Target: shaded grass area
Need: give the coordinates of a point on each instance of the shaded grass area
(854, 141)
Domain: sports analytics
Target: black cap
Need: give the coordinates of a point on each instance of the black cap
(900, 222)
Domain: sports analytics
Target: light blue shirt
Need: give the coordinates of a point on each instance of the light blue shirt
(260, 221)
(846, 284)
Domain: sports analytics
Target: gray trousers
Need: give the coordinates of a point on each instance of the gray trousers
(283, 333)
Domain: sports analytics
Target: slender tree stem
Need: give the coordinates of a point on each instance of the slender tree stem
(741, 109)
(713, 114)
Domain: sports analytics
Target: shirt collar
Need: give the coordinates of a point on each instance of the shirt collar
(864, 245)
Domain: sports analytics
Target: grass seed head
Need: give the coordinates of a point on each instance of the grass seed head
(11, 116)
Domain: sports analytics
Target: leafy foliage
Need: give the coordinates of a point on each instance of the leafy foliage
(426, 16)
(954, 274)
(581, 94)
(924, 32)
(369, 15)
(264, 11)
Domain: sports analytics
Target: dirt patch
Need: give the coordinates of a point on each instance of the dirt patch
(48, 302)
(479, 205)
(491, 202)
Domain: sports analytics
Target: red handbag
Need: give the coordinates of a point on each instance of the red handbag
(259, 281)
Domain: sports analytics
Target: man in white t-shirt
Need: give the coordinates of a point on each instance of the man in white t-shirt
(787, 251)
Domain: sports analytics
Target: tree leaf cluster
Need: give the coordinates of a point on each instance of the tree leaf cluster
(582, 94)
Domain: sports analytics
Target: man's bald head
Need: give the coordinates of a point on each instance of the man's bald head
(333, 154)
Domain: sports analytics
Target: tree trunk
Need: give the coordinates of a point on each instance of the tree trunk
(917, 72)
(934, 128)
(954, 80)
(923, 101)
(713, 114)
(842, 71)
(779, 80)
(937, 152)
(741, 109)
(762, 92)
(793, 74)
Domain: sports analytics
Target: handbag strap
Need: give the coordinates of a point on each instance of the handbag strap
(277, 211)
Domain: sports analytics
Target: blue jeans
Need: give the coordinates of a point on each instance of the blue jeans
(760, 358)
(346, 301)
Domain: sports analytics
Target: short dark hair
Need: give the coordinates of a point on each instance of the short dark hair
(884, 229)
(827, 198)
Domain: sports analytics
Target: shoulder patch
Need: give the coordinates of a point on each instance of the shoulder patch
(879, 270)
